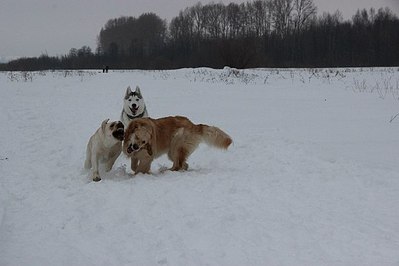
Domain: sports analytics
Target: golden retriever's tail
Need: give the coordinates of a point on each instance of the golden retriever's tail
(214, 136)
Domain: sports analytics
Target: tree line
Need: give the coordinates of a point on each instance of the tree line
(261, 33)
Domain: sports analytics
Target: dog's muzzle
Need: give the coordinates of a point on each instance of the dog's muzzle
(119, 133)
(134, 108)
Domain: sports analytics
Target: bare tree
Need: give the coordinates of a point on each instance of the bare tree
(304, 11)
(233, 16)
(181, 27)
(282, 16)
(214, 14)
(198, 20)
(260, 12)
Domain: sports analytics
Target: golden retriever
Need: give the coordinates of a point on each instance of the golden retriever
(147, 138)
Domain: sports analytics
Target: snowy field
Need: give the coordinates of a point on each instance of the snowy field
(311, 179)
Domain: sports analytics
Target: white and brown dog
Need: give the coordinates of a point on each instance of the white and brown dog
(104, 147)
(133, 106)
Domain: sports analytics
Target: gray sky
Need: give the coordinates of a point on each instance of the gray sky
(34, 27)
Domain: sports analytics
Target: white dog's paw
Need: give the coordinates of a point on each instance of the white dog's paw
(96, 177)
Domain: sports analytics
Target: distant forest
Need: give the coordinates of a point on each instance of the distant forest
(261, 33)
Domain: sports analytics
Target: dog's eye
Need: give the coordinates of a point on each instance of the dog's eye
(137, 100)
(130, 100)
(143, 142)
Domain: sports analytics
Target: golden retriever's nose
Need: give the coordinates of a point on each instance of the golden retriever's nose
(132, 147)
(129, 149)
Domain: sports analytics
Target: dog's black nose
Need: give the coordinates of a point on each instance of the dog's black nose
(134, 105)
(135, 146)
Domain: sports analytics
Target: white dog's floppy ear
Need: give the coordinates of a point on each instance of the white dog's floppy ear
(128, 92)
(104, 123)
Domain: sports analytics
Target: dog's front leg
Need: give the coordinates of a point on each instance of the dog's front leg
(144, 166)
(88, 161)
(133, 164)
(94, 162)
(111, 162)
(88, 157)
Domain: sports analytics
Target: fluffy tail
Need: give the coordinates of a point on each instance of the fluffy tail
(214, 136)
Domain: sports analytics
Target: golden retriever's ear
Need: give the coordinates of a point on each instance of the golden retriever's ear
(104, 123)
(131, 127)
(149, 149)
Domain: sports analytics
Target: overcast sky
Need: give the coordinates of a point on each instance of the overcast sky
(34, 27)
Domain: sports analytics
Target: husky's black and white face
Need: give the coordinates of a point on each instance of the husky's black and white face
(133, 103)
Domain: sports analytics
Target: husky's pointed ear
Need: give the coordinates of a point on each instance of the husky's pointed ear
(128, 92)
(138, 92)
(104, 123)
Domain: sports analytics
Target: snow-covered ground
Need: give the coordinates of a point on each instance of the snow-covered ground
(311, 179)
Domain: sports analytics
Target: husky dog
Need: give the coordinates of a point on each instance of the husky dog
(133, 106)
(104, 147)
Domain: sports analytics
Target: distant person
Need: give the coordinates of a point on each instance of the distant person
(105, 69)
